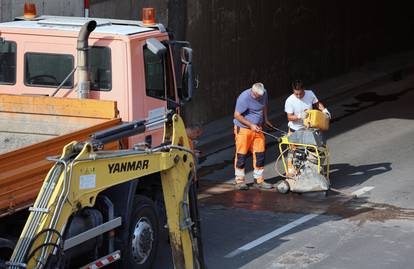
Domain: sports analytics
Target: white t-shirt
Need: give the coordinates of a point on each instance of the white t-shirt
(296, 106)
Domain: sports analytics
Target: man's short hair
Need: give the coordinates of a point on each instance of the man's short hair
(297, 85)
(258, 88)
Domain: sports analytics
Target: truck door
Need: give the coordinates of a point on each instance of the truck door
(160, 92)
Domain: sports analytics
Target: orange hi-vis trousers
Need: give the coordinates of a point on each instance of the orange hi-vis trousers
(248, 140)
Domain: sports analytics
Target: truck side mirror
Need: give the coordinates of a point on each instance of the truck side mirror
(156, 47)
(187, 74)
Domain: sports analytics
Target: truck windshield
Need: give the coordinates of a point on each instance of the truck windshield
(7, 62)
(48, 70)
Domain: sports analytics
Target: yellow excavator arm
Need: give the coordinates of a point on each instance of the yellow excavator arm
(82, 172)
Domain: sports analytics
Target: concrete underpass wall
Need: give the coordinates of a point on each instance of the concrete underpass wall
(128, 9)
(238, 42)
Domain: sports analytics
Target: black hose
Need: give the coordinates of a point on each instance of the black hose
(59, 247)
(56, 246)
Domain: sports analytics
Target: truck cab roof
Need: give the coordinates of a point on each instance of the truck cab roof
(73, 24)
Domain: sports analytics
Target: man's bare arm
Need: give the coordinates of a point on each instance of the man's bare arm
(265, 113)
(292, 117)
(265, 118)
(243, 120)
(320, 106)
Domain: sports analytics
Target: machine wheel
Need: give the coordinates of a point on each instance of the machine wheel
(282, 186)
(143, 235)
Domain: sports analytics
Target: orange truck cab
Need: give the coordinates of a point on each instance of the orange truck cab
(128, 62)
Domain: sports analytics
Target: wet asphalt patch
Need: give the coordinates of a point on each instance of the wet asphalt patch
(357, 209)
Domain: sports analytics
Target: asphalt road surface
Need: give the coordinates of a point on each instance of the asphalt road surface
(371, 143)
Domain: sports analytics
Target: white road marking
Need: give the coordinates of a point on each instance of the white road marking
(361, 191)
(285, 228)
(271, 235)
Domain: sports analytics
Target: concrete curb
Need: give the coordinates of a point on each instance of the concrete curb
(218, 135)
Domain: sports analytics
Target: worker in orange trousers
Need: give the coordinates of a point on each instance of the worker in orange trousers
(249, 116)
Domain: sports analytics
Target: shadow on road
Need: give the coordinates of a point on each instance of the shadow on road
(347, 175)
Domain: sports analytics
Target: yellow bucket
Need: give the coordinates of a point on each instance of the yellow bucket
(316, 119)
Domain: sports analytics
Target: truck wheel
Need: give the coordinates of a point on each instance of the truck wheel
(143, 234)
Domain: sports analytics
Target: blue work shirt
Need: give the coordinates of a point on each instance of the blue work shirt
(250, 108)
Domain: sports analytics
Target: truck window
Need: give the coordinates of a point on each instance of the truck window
(7, 62)
(159, 76)
(100, 66)
(47, 70)
(154, 75)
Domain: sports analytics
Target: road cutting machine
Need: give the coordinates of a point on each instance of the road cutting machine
(98, 207)
(305, 157)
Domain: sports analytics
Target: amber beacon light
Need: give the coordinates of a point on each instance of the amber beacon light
(29, 10)
(148, 16)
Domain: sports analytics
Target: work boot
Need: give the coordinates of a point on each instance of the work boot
(241, 186)
(263, 185)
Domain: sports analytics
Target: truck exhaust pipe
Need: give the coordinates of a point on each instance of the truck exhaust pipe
(84, 83)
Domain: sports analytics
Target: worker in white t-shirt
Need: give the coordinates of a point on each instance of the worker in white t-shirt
(297, 104)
